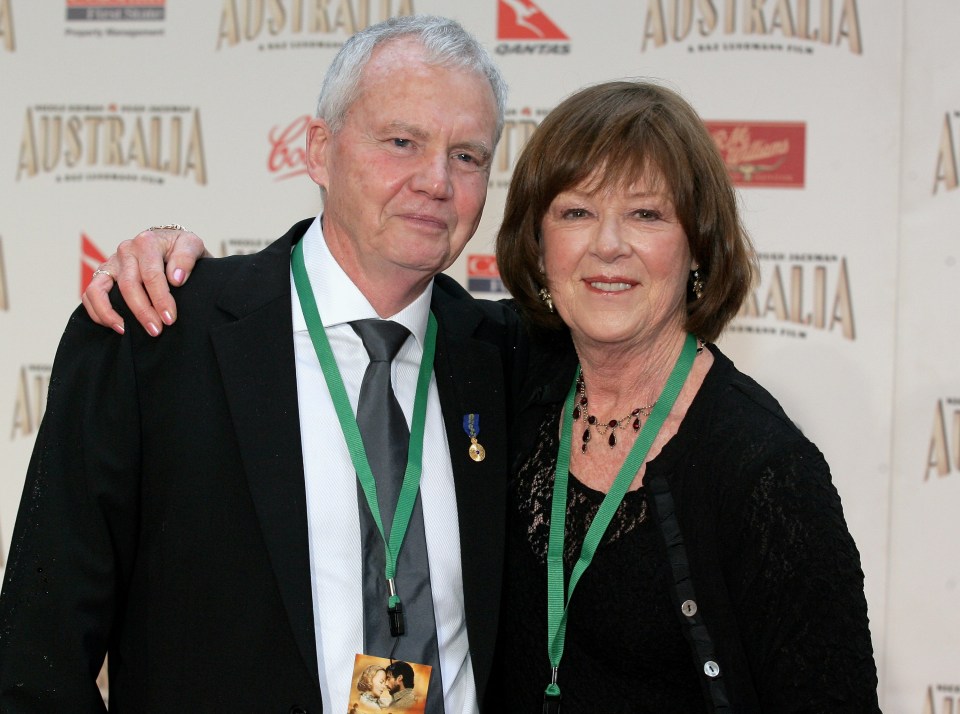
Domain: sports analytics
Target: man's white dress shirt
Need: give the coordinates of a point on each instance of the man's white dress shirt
(333, 518)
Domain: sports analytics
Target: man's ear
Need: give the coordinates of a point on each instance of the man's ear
(319, 137)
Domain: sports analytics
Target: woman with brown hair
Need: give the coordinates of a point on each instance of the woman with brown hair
(675, 542)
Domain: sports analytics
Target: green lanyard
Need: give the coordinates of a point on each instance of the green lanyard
(557, 607)
(348, 423)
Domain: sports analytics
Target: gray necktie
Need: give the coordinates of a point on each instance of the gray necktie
(385, 440)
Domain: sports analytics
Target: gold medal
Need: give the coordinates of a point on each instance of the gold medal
(471, 425)
(476, 450)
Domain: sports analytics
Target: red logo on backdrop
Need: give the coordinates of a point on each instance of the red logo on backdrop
(90, 259)
(483, 276)
(523, 20)
(762, 154)
(288, 154)
(482, 266)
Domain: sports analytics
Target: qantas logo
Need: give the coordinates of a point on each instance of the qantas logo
(523, 20)
(90, 259)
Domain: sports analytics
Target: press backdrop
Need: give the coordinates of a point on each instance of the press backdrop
(839, 120)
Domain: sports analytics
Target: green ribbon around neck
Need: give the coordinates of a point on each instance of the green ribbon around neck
(348, 420)
(557, 604)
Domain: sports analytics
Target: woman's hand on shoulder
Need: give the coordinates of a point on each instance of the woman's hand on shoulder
(144, 268)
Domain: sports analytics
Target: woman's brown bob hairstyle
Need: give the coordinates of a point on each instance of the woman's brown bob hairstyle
(630, 130)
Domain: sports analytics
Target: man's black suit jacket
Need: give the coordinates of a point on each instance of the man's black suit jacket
(164, 520)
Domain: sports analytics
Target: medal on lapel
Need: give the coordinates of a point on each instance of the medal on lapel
(471, 425)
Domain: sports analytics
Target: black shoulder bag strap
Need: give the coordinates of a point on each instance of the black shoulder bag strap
(685, 601)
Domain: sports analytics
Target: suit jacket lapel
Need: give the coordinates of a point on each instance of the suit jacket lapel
(256, 357)
(470, 377)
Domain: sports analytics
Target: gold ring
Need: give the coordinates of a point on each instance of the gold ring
(167, 227)
(101, 271)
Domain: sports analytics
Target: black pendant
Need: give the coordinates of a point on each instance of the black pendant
(395, 613)
(551, 704)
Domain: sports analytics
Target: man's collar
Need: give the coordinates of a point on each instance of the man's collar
(339, 300)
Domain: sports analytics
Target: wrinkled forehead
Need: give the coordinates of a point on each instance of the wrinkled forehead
(405, 57)
(396, 53)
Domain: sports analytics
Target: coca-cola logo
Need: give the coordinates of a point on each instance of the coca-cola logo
(288, 154)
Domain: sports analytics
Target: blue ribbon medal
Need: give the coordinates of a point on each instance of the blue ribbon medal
(471, 425)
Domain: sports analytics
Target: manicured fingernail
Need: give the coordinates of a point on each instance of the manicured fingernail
(178, 275)
(119, 328)
(167, 318)
(153, 329)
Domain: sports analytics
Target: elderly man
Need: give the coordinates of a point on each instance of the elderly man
(192, 506)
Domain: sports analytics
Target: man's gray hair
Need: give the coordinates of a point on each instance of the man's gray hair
(446, 44)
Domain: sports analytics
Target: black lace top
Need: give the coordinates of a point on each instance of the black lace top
(777, 575)
(621, 628)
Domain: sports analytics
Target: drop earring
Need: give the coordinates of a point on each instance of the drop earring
(546, 298)
(696, 283)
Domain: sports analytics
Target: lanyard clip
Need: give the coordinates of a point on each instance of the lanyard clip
(551, 704)
(395, 611)
(552, 697)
